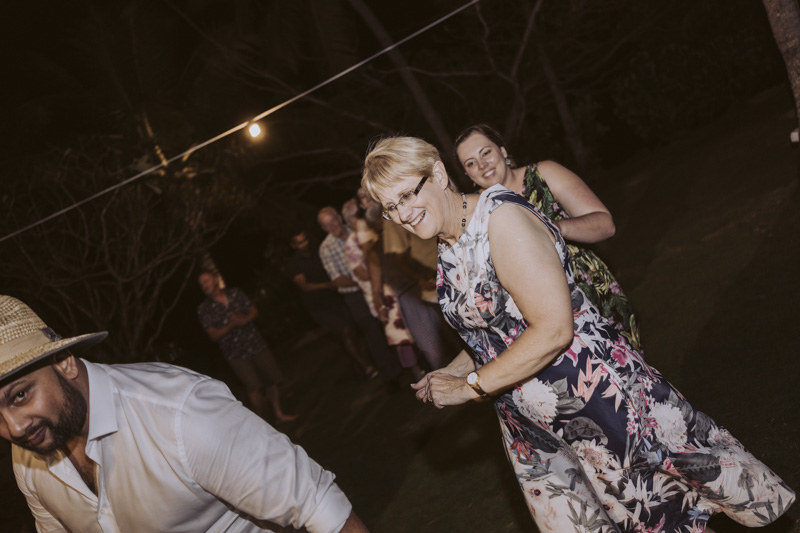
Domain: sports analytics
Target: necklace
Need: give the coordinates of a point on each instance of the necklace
(463, 220)
(463, 211)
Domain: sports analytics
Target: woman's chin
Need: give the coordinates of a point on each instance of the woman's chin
(424, 232)
(419, 230)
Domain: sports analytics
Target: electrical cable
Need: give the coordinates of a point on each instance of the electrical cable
(187, 153)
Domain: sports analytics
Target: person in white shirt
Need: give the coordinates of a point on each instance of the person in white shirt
(146, 447)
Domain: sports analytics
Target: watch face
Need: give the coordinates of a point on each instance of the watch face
(472, 378)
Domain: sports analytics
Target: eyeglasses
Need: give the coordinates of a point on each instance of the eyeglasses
(406, 198)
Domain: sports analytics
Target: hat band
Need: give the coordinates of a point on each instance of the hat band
(28, 342)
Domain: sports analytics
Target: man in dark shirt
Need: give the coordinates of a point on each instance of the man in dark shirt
(322, 302)
(227, 316)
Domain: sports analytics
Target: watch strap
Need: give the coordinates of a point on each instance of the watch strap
(476, 386)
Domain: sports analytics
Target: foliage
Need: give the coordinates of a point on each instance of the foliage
(118, 86)
(120, 262)
(680, 79)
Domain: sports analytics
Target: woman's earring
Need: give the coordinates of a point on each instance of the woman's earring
(508, 161)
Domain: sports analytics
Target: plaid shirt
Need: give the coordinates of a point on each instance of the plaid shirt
(334, 259)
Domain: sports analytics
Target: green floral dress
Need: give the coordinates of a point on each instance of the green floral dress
(591, 274)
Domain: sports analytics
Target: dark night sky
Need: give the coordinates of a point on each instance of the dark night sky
(80, 67)
(199, 67)
(58, 57)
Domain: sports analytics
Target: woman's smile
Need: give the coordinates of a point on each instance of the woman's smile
(418, 219)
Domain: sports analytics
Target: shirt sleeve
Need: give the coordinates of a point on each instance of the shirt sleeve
(45, 522)
(235, 455)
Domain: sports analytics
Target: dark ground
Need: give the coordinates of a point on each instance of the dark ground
(706, 244)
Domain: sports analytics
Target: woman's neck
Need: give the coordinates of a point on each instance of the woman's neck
(516, 180)
(454, 214)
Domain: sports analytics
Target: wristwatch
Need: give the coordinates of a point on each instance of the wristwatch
(474, 381)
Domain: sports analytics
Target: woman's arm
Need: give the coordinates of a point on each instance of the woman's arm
(373, 260)
(520, 245)
(361, 273)
(461, 365)
(590, 221)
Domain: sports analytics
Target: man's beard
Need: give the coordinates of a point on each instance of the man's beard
(69, 424)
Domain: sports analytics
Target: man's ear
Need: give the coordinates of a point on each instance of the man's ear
(66, 364)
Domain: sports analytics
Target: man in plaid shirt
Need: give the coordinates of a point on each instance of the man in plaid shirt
(332, 254)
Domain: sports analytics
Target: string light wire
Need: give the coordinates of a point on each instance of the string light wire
(186, 153)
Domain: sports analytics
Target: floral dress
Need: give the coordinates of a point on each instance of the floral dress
(599, 441)
(395, 329)
(592, 275)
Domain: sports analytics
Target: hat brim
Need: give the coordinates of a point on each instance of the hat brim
(24, 359)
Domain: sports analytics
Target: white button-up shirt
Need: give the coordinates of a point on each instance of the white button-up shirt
(176, 452)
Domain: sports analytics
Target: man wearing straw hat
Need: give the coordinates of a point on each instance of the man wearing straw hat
(146, 447)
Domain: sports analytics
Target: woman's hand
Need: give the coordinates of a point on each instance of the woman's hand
(383, 314)
(443, 389)
(421, 386)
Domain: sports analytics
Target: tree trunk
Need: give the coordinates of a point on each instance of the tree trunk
(784, 18)
(571, 130)
(425, 105)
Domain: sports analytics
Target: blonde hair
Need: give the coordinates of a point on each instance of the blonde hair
(392, 158)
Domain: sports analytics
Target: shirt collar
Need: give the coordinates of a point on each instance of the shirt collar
(335, 238)
(102, 418)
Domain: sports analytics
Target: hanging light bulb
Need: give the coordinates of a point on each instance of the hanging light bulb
(254, 129)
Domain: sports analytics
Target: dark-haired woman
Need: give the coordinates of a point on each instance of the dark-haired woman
(566, 200)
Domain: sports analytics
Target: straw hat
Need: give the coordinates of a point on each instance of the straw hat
(25, 338)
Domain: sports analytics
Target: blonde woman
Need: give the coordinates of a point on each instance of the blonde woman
(598, 440)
